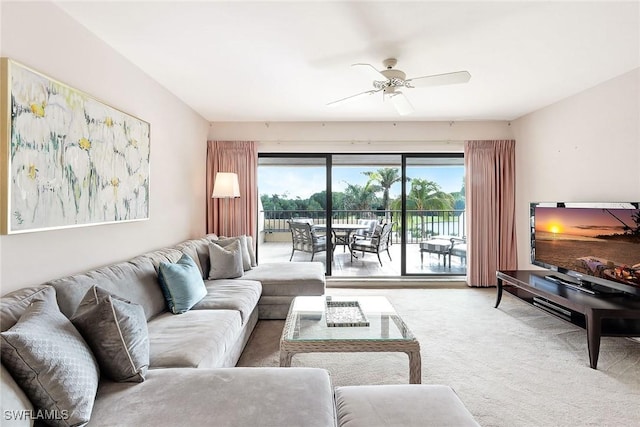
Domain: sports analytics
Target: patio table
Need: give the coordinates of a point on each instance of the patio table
(346, 229)
(436, 246)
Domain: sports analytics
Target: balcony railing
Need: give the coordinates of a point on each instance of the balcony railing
(420, 223)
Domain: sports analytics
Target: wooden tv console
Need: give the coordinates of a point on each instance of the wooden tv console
(600, 315)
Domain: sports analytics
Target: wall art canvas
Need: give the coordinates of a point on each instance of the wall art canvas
(68, 160)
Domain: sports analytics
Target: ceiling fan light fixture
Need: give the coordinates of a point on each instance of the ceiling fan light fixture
(389, 79)
(401, 103)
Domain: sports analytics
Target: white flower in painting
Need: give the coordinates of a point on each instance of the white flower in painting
(106, 124)
(102, 159)
(137, 152)
(113, 187)
(58, 114)
(32, 130)
(77, 170)
(137, 196)
(30, 94)
(36, 196)
(77, 129)
(29, 90)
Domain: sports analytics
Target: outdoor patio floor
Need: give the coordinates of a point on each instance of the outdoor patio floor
(367, 266)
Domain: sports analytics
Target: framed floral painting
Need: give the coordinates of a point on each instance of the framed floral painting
(68, 160)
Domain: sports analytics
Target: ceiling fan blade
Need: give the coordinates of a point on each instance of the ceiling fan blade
(440, 79)
(401, 103)
(372, 71)
(369, 92)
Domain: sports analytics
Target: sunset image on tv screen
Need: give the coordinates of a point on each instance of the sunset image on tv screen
(598, 242)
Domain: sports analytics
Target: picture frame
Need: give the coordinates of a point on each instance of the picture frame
(67, 158)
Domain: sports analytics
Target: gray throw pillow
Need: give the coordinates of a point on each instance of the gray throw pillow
(226, 263)
(116, 331)
(246, 257)
(48, 358)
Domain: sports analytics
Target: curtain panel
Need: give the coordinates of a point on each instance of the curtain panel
(490, 196)
(241, 214)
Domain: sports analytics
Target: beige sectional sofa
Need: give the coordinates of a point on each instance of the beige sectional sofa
(190, 378)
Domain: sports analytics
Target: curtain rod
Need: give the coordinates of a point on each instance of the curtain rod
(363, 141)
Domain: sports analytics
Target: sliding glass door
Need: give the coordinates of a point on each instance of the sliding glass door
(291, 187)
(435, 220)
(364, 189)
(419, 197)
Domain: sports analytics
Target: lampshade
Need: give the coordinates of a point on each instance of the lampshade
(226, 186)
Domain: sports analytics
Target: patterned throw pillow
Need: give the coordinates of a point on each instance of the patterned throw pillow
(226, 263)
(116, 331)
(51, 362)
(181, 284)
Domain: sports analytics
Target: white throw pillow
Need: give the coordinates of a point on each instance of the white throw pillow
(246, 257)
(226, 262)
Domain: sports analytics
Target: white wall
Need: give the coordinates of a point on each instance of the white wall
(43, 37)
(359, 137)
(584, 148)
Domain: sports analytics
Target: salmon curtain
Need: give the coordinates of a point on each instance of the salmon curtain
(490, 195)
(238, 215)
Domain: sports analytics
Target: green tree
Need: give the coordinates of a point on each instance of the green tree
(319, 199)
(426, 196)
(384, 178)
(358, 197)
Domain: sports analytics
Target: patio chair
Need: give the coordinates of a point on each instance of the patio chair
(378, 242)
(320, 231)
(343, 237)
(459, 249)
(363, 234)
(305, 239)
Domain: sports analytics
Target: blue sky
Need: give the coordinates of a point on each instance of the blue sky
(304, 181)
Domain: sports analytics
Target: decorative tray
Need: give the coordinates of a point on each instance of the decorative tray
(345, 314)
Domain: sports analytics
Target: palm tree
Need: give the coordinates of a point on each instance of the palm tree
(358, 197)
(384, 178)
(427, 195)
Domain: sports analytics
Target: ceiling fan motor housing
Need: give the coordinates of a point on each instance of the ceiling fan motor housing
(395, 78)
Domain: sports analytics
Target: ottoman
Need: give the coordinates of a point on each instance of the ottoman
(401, 405)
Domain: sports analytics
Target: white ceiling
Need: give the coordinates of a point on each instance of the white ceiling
(284, 61)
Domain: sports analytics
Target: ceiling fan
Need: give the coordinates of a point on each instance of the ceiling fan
(389, 80)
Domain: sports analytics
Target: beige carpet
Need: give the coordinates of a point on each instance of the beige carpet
(511, 366)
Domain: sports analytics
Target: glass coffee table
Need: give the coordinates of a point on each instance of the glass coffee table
(379, 329)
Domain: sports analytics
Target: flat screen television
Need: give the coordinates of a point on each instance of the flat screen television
(596, 244)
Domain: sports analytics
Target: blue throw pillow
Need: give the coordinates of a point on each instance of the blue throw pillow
(181, 284)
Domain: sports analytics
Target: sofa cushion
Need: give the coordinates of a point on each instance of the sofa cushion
(404, 405)
(231, 294)
(289, 278)
(13, 401)
(226, 262)
(158, 256)
(181, 284)
(116, 331)
(200, 249)
(135, 281)
(52, 363)
(14, 304)
(195, 339)
(221, 397)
